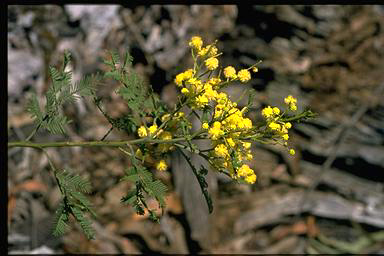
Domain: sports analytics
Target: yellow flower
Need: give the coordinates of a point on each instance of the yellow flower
(247, 145)
(267, 112)
(293, 107)
(255, 69)
(152, 129)
(251, 179)
(203, 51)
(285, 136)
(214, 81)
(249, 156)
(288, 125)
(276, 110)
(196, 42)
(290, 100)
(292, 151)
(212, 63)
(161, 165)
(188, 74)
(244, 75)
(142, 131)
(274, 126)
(184, 91)
(201, 101)
(213, 51)
(180, 114)
(244, 171)
(231, 142)
(230, 72)
(215, 132)
(247, 123)
(205, 126)
(221, 151)
(179, 79)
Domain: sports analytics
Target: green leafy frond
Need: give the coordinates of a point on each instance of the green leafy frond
(130, 198)
(134, 91)
(84, 87)
(34, 109)
(115, 57)
(73, 181)
(67, 59)
(158, 190)
(74, 201)
(83, 200)
(56, 124)
(61, 220)
(85, 223)
(145, 175)
(144, 181)
(128, 59)
(62, 91)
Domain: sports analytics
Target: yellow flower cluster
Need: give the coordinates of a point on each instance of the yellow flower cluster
(244, 75)
(247, 173)
(230, 73)
(222, 120)
(196, 42)
(274, 122)
(212, 63)
(180, 78)
(291, 102)
(161, 165)
(144, 132)
(228, 122)
(202, 93)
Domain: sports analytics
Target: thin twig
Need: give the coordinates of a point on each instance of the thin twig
(108, 132)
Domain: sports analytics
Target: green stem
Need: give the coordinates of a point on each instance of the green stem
(96, 143)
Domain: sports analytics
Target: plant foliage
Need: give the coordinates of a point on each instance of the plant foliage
(74, 203)
(62, 91)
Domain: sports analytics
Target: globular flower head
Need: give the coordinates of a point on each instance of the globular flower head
(142, 131)
(288, 125)
(201, 101)
(221, 151)
(251, 179)
(212, 63)
(267, 112)
(161, 165)
(205, 126)
(244, 171)
(292, 107)
(152, 129)
(215, 132)
(290, 100)
(196, 42)
(292, 151)
(230, 72)
(276, 110)
(274, 126)
(244, 75)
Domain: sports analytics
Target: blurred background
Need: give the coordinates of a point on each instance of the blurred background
(328, 198)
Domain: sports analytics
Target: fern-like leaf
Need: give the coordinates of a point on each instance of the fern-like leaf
(61, 221)
(56, 124)
(34, 109)
(85, 223)
(158, 190)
